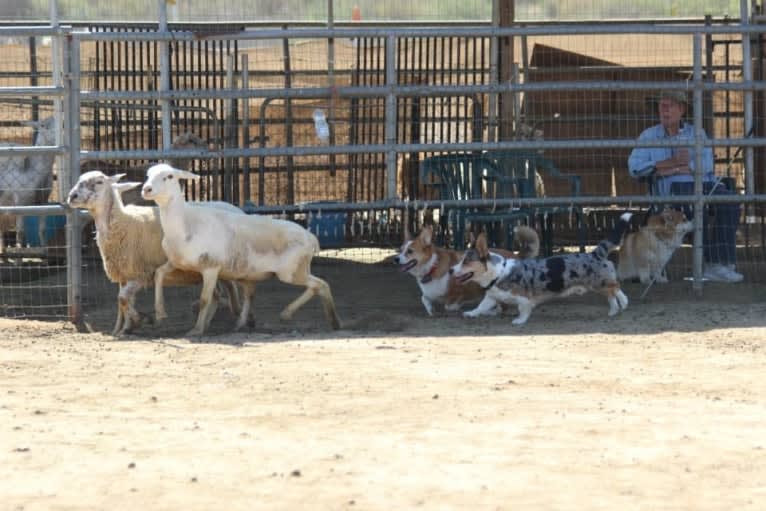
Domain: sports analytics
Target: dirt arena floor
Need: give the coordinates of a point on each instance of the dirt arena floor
(662, 407)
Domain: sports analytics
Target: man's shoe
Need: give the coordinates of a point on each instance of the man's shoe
(732, 274)
(720, 273)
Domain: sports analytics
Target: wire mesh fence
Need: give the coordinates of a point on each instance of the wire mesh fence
(553, 107)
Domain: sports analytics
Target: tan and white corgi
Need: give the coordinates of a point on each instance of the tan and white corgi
(645, 253)
(530, 283)
(430, 266)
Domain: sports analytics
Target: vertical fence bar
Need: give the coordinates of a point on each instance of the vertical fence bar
(289, 120)
(164, 73)
(34, 75)
(61, 76)
(57, 69)
(493, 75)
(69, 172)
(699, 204)
(747, 75)
(391, 117)
(230, 132)
(379, 175)
(331, 80)
(245, 131)
(354, 131)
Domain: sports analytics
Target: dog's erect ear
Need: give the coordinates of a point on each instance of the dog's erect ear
(427, 234)
(407, 233)
(471, 239)
(481, 245)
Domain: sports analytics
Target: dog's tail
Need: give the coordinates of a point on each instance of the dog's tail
(615, 237)
(527, 240)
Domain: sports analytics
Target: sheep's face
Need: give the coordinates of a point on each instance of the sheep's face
(90, 189)
(46, 134)
(46, 130)
(163, 183)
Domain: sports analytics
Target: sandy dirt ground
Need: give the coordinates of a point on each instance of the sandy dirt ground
(661, 408)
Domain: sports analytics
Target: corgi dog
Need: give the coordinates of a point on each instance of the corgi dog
(430, 265)
(528, 283)
(645, 253)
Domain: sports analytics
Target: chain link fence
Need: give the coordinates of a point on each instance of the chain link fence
(574, 94)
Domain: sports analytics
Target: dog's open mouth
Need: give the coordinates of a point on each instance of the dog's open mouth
(408, 265)
(464, 278)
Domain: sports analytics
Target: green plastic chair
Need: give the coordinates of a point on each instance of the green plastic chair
(517, 169)
(462, 176)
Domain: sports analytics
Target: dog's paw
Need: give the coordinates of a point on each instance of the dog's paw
(452, 307)
(519, 321)
(471, 314)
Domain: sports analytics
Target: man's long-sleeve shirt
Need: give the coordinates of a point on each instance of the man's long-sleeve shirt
(643, 160)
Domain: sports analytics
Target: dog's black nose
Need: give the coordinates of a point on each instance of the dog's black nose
(451, 271)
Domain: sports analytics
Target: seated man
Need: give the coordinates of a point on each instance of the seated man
(673, 170)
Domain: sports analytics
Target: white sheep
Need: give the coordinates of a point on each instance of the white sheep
(129, 239)
(28, 180)
(219, 245)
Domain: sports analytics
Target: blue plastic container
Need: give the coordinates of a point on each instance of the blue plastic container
(52, 224)
(328, 226)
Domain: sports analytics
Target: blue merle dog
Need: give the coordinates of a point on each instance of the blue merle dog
(530, 282)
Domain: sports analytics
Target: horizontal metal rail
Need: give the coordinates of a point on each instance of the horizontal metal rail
(579, 201)
(418, 90)
(471, 31)
(253, 24)
(33, 31)
(39, 210)
(8, 151)
(156, 154)
(42, 90)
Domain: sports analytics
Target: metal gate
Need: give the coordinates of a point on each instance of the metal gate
(420, 120)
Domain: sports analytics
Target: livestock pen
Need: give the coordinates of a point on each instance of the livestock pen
(660, 407)
(393, 95)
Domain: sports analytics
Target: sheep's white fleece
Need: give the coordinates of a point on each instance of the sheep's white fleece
(219, 245)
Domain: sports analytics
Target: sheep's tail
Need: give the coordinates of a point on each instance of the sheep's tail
(615, 237)
(314, 242)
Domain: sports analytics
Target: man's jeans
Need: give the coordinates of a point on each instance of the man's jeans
(719, 231)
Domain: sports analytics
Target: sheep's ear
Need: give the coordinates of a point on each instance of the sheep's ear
(124, 187)
(185, 174)
(31, 124)
(116, 177)
(45, 122)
